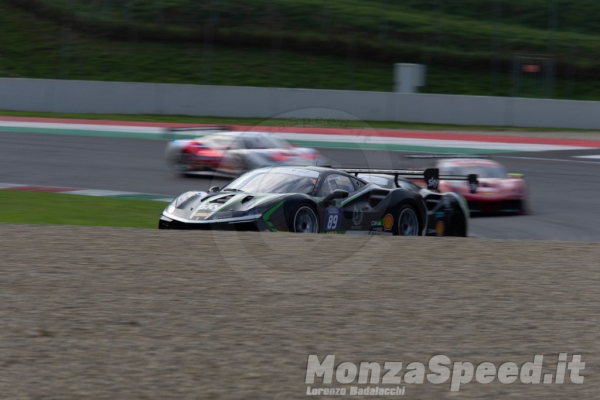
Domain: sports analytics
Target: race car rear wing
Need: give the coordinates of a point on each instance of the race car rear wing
(173, 133)
(430, 175)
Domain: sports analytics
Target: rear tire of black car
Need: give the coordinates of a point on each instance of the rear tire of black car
(304, 219)
(407, 221)
(458, 224)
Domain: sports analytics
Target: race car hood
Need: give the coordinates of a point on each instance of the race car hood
(226, 205)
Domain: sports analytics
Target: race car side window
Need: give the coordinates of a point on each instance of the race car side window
(357, 184)
(221, 141)
(262, 141)
(336, 181)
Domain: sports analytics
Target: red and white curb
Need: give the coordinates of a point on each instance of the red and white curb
(315, 137)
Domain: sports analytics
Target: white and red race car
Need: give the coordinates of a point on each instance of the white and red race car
(224, 151)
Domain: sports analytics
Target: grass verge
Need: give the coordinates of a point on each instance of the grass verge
(63, 209)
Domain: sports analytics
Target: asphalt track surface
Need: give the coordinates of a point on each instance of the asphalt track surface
(565, 190)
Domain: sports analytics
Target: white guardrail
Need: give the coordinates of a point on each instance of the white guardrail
(95, 97)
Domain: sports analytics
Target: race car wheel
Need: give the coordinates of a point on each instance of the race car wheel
(525, 210)
(408, 222)
(180, 164)
(458, 224)
(305, 220)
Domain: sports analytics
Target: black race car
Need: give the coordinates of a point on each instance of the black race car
(322, 200)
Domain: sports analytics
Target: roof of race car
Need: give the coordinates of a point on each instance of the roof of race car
(239, 133)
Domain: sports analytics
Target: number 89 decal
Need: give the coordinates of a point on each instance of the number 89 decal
(333, 219)
(332, 222)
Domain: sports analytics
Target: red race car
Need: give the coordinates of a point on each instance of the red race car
(498, 191)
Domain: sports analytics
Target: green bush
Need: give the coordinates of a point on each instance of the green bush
(460, 32)
(326, 44)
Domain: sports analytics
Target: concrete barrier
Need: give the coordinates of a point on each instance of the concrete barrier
(94, 97)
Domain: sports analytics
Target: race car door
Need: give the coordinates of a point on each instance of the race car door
(352, 214)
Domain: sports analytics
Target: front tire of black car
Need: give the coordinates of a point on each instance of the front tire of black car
(304, 220)
(407, 222)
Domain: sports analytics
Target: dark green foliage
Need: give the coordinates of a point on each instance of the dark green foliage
(342, 44)
(457, 31)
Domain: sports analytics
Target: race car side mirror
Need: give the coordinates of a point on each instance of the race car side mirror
(337, 194)
(213, 189)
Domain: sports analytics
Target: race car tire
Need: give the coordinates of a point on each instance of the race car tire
(304, 219)
(179, 164)
(458, 224)
(407, 222)
(525, 209)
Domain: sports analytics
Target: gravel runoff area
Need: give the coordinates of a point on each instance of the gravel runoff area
(114, 313)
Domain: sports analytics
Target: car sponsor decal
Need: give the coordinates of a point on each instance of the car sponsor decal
(184, 197)
(357, 216)
(201, 214)
(379, 222)
(333, 219)
(432, 183)
(209, 206)
(380, 233)
(439, 228)
(388, 222)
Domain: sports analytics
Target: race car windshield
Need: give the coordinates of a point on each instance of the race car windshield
(273, 182)
(221, 141)
(264, 142)
(482, 171)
